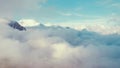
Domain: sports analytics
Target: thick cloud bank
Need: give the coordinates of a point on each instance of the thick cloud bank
(57, 47)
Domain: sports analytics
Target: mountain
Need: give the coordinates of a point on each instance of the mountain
(16, 25)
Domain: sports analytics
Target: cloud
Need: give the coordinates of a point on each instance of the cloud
(98, 24)
(58, 47)
(29, 22)
(110, 3)
(9, 8)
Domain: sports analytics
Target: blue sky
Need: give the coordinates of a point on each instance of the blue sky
(62, 11)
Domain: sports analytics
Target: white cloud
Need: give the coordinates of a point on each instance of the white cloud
(109, 3)
(58, 47)
(28, 22)
(66, 14)
(117, 5)
(9, 8)
(101, 24)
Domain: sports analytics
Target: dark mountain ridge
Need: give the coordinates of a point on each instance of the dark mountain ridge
(16, 25)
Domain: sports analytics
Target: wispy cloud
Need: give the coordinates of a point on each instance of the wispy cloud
(10, 7)
(110, 3)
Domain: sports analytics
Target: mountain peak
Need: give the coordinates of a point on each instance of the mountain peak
(29, 22)
(16, 25)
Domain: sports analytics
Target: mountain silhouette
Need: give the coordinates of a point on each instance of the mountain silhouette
(16, 25)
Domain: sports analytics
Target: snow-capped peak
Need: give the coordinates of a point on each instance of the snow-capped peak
(28, 22)
(16, 25)
(12, 24)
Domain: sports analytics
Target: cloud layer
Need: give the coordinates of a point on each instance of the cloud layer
(57, 47)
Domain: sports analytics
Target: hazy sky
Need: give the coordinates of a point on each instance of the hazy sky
(62, 11)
